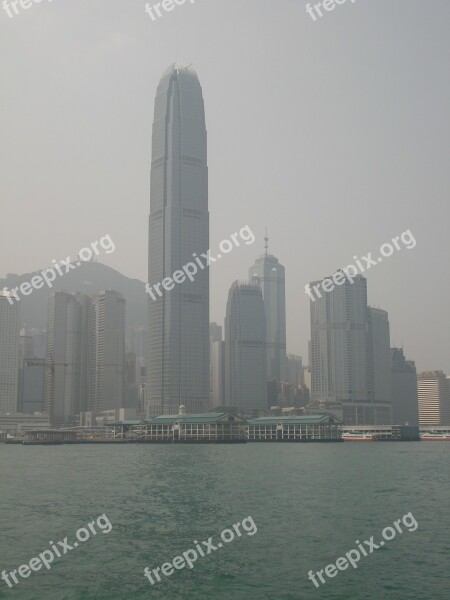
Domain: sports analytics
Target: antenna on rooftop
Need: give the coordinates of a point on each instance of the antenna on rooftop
(266, 239)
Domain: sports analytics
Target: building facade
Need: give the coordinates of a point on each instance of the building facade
(178, 320)
(434, 398)
(245, 348)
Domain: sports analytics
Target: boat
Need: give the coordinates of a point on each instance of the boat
(435, 436)
(359, 436)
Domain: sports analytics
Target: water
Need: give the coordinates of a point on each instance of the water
(310, 502)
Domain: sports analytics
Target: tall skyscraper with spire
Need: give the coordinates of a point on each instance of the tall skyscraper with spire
(270, 276)
(178, 321)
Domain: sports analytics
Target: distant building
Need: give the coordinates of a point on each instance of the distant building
(405, 403)
(218, 373)
(39, 342)
(294, 370)
(9, 352)
(270, 275)
(26, 350)
(340, 350)
(16, 423)
(245, 348)
(380, 371)
(108, 331)
(85, 358)
(434, 398)
(216, 361)
(32, 386)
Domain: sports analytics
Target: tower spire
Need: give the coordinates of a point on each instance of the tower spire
(266, 239)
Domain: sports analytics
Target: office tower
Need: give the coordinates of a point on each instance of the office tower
(341, 352)
(32, 386)
(107, 342)
(434, 398)
(9, 352)
(405, 404)
(63, 372)
(178, 320)
(380, 371)
(269, 274)
(294, 370)
(245, 348)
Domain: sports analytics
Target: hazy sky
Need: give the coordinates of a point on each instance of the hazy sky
(334, 133)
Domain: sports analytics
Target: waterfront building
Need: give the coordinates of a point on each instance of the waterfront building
(308, 428)
(178, 318)
(270, 276)
(9, 352)
(434, 398)
(405, 404)
(213, 427)
(245, 349)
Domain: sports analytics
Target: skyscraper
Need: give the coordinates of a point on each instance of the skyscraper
(270, 275)
(62, 380)
(107, 337)
(341, 353)
(178, 321)
(245, 348)
(9, 352)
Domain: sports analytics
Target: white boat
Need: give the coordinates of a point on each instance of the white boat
(359, 436)
(435, 436)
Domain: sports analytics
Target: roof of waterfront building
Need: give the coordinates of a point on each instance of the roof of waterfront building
(210, 417)
(296, 420)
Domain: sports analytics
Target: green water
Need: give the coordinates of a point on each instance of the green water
(310, 502)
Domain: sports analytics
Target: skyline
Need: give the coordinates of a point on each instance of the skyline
(350, 172)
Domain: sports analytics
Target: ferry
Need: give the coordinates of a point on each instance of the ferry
(355, 436)
(435, 436)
